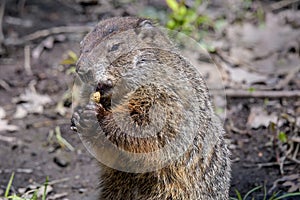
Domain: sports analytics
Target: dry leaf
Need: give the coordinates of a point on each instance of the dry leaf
(20, 113)
(32, 102)
(4, 126)
(258, 117)
(2, 113)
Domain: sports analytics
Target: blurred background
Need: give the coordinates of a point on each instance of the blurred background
(254, 51)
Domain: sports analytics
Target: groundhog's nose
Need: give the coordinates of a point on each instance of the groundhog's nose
(104, 86)
(86, 76)
(84, 70)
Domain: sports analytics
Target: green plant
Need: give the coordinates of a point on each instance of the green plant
(16, 197)
(45, 188)
(239, 196)
(275, 196)
(71, 61)
(251, 89)
(282, 137)
(62, 141)
(185, 19)
(9, 184)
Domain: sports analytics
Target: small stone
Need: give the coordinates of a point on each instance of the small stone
(61, 162)
(61, 159)
(82, 190)
(21, 190)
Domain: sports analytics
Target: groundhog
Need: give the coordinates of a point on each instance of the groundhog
(146, 115)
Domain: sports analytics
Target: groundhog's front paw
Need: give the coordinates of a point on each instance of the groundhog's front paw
(75, 121)
(84, 117)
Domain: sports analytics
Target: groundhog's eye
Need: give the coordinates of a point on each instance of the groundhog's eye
(114, 47)
(110, 31)
(146, 24)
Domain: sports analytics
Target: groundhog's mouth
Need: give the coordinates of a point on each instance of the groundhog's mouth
(105, 100)
(105, 94)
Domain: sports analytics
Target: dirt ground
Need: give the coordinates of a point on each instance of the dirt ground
(31, 147)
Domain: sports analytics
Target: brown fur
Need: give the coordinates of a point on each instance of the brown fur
(200, 173)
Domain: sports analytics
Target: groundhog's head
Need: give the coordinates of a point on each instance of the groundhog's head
(110, 39)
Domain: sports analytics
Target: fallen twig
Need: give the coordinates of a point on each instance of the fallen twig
(268, 164)
(283, 3)
(283, 179)
(10, 139)
(2, 7)
(57, 196)
(260, 165)
(291, 74)
(295, 139)
(49, 184)
(294, 156)
(262, 94)
(235, 129)
(46, 32)
(294, 159)
(58, 181)
(25, 171)
(4, 85)
(27, 65)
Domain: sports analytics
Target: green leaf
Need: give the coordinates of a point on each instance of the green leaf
(34, 196)
(179, 18)
(171, 24)
(273, 196)
(173, 4)
(45, 188)
(266, 101)
(288, 195)
(272, 126)
(71, 60)
(68, 62)
(251, 191)
(73, 55)
(9, 184)
(15, 197)
(238, 194)
(203, 20)
(251, 89)
(71, 70)
(282, 137)
(265, 193)
(182, 11)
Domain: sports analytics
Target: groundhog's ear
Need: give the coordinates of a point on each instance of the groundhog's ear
(146, 24)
